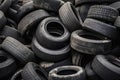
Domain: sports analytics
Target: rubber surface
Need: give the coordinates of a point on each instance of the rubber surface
(5, 5)
(48, 54)
(3, 20)
(89, 43)
(102, 28)
(67, 73)
(51, 31)
(100, 12)
(81, 2)
(70, 17)
(49, 5)
(17, 76)
(32, 71)
(7, 65)
(105, 68)
(18, 50)
(30, 21)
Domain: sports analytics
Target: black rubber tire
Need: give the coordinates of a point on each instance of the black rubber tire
(115, 5)
(70, 17)
(24, 10)
(48, 54)
(89, 43)
(105, 68)
(32, 71)
(100, 12)
(91, 75)
(11, 13)
(17, 76)
(51, 31)
(9, 31)
(31, 20)
(102, 28)
(49, 66)
(76, 57)
(83, 10)
(18, 50)
(7, 65)
(117, 22)
(67, 73)
(81, 2)
(3, 20)
(115, 51)
(5, 5)
(80, 59)
(11, 23)
(49, 5)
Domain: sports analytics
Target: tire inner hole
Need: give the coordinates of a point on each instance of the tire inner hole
(66, 72)
(93, 37)
(55, 29)
(2, 59)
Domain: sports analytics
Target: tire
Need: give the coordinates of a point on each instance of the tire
(51, 5)
(7, 65)
(51, 31)
(11, 23)
(33, 71)
(104, 67)
(12, 13)
(67, 73)
(89, 43)
(31, 20)
(9, 31)
(117, 22)
(48, 54)
(70, 17)
(24, 10)
(100, 12)
(102, 28)
(14, 1)
(18, 50)
(91, 75)
(83, 11)
(17, 76)
(5, 5)
(80, 59)
(115, 5)
(81, 2)
(49, 66)
(3, 20)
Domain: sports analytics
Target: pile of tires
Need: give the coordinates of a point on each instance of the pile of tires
(59, 40)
